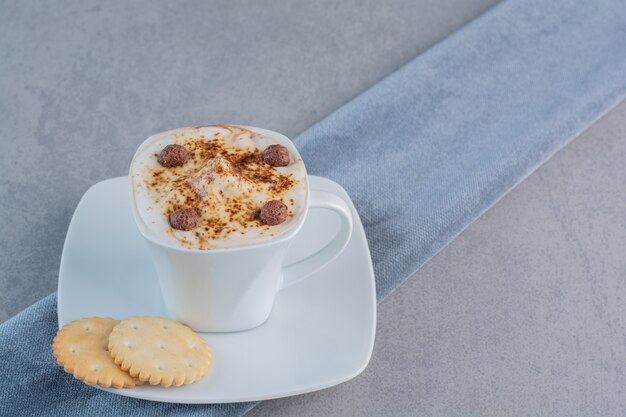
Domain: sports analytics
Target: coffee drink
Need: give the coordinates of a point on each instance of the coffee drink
(218, 186)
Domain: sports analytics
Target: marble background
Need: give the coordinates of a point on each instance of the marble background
(523, 314)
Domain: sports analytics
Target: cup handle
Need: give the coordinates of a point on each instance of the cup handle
(303, 268)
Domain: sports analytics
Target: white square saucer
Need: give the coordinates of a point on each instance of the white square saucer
(320, 333)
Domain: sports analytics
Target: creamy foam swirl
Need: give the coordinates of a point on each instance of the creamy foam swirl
(225, 179)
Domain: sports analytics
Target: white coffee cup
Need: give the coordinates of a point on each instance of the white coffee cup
(233, 289)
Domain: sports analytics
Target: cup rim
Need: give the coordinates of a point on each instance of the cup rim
(279, 239)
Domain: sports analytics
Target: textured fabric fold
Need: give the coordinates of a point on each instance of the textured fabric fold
(422, 153)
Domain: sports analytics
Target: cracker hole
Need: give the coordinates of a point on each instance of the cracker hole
(195, 347)
(165, 326)
(161, 347)
(160, 368)
(73, 350)
(134, 327)
(190, 365)
(87, 328)
(95, 369)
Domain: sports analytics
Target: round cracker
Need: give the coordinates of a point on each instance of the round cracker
(80, 347)
(159, 351)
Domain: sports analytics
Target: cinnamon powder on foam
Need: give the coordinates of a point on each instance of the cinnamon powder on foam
(223, 183)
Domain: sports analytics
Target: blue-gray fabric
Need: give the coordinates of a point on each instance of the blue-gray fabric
(422, 153)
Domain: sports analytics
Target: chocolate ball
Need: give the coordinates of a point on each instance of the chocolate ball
(276, 156)
(184, 219)
(173, 156)
(273, 212)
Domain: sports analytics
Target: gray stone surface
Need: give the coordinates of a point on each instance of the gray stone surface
(521, 315)
(83, 83)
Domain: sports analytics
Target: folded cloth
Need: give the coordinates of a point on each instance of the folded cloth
(422, 153)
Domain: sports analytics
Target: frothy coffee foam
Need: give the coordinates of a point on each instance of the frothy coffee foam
(225, 179)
